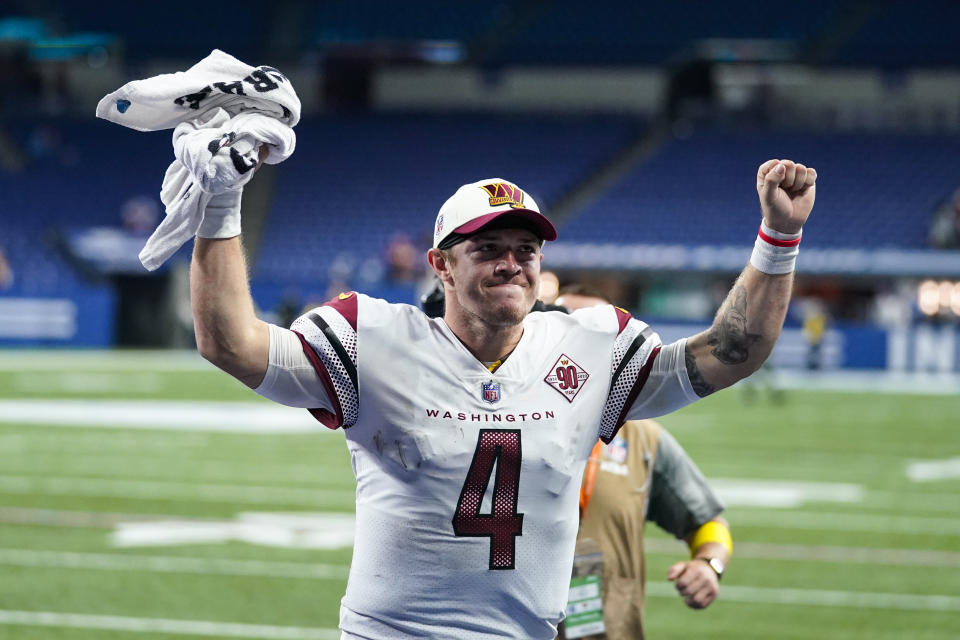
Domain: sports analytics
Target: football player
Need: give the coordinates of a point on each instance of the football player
(469, 434)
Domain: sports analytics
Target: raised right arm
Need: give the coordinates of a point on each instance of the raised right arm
(228, 332)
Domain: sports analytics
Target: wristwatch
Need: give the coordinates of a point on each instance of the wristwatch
(716, 564)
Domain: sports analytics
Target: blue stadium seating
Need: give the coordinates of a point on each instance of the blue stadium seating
(875, 190)
(902, 33)
(350, 21)
(355, 181)
(894, 33)
(78, 175)
(177, 29)
(567, 31)
(647, 32)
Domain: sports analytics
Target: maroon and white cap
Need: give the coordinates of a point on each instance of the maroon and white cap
(478, 204)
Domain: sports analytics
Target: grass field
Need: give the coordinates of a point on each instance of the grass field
(833, 537)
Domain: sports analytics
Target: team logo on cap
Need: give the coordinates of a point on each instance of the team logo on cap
(501, 193)
(439, 223)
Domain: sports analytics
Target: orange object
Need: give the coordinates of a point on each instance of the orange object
(590, 477)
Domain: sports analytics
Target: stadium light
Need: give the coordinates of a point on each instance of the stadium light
(939, 297)
(945, 289)
(928, 297)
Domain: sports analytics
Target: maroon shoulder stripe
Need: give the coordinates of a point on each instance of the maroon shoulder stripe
(634, 392)
(324, 417)
(623, 318)
(346, 304)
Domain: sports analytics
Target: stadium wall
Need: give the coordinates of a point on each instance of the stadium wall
(836, 98)
(83, 318)
(921, 348)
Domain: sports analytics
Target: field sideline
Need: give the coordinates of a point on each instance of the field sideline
(132, 507)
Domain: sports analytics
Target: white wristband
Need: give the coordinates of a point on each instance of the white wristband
(221, 217)
(774, 252)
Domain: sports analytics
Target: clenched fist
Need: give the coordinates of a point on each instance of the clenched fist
(787, 190)
(696, 582)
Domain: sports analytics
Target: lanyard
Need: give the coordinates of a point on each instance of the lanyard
(590, 477)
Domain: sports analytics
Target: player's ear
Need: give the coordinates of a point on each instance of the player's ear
(439, 263)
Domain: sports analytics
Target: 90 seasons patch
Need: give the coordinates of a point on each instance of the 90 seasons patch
(567, 377)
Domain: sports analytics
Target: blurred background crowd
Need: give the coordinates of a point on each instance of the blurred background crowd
(637, 126)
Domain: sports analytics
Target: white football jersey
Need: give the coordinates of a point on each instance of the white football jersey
(468, 481)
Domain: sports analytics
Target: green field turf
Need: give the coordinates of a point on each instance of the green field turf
(872, 555)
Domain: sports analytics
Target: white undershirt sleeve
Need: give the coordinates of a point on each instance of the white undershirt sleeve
(290, 378)
(668, 388)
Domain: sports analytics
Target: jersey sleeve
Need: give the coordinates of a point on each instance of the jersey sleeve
(680, 498)
(635, 350)
(667, 388)
(328, 336)
(290, 378)
(648, 379)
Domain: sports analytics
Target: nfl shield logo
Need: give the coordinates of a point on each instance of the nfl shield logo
(491, 391)
(617, 450)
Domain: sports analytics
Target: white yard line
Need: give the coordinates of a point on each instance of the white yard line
(869, 381)
(81, 442)
(729, 593)
(122, 465)
(822, 598)
(17, 360)
(737, 492)
(933, 470)
(653, 546)
(87, 381)
(232, 417)
(80, 519)
(164, 625)
(830, 521)
(171, 564)
(903, 501)
(253, 494)
(244, 494)
(290, 530)
(820, 553)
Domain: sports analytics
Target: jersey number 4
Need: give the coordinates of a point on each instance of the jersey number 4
(503, 524)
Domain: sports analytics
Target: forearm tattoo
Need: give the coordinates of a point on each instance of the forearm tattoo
(729, 338)
(700, 385)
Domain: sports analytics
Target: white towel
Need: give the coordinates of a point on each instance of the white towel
(215, 155)
(219, 80)
(222, 110)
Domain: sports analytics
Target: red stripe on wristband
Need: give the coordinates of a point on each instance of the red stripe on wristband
(778, 243)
